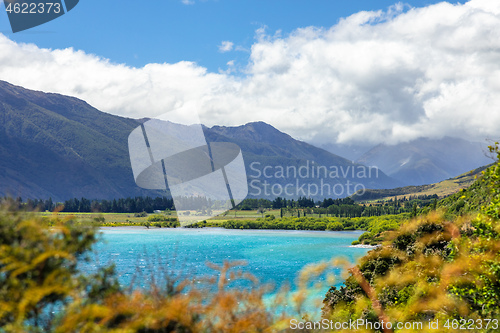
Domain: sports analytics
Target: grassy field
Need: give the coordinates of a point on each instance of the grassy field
(129, 219)
(245, 214)
(110, 219)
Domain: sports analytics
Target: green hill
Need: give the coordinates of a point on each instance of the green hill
(442, 189)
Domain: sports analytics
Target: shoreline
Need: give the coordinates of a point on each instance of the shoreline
(363, 246)
(210, 228)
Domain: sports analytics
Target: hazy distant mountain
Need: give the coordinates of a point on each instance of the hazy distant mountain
(349, 151)
(427, 161)
(61, 147)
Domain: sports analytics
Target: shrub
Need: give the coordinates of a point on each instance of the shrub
(38, 268)
(335, 226)
(161, 218)
(100, 219)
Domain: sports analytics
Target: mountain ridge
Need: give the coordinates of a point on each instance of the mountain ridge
(61, 147)
(70, 131)
(289, 152)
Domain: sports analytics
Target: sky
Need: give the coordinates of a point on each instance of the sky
(357, 72)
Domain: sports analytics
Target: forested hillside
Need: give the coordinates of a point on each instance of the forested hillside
(60, 147)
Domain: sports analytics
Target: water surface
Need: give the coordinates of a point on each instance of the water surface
(274, 256)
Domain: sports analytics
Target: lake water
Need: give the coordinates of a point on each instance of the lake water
(272, 255)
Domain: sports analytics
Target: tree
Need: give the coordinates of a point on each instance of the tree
(414, 210)
(261, 210)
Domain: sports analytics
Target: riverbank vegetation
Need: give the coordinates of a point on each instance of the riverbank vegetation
(281, 214)
(344, 207)
(374, 225)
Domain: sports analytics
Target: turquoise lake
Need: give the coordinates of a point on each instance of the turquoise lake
(273, 256)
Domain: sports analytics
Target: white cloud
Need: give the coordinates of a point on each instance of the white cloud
(374, 77)
(231, 68)
(135, 92)
(188, 2)
(226, 46)
(241, 49)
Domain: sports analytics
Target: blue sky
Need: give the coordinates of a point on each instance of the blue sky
(325, 72)
(158, 31)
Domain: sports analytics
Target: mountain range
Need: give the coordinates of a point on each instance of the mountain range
(293, 166)
(427, 161)
(61, 147)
